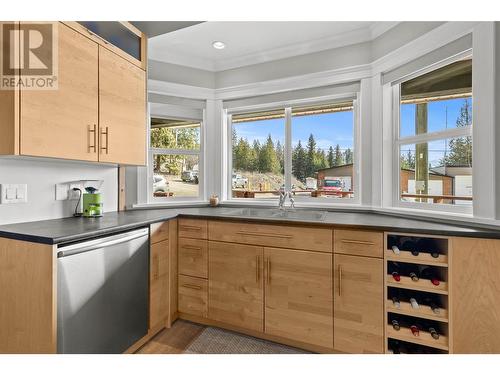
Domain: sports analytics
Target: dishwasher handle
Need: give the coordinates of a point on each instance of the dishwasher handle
(84, 247)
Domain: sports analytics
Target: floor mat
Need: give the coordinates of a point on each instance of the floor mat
(220, 341)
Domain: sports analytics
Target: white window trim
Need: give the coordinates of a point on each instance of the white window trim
(164, 201)
(287, 106)
(394, 88)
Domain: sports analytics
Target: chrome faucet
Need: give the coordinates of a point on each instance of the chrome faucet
(282, 199)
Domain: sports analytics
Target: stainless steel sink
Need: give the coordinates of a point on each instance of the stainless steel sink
(289, 214)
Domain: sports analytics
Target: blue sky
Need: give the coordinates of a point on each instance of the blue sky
(332, 128)
(328, 130)
(441, 115)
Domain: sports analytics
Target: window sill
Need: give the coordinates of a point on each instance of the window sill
(172, 204)
(350, 204)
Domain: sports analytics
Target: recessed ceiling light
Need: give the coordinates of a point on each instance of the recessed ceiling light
(218, 45)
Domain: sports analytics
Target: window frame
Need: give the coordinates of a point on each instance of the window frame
(398, 141)
(176, 151)
(287, 107)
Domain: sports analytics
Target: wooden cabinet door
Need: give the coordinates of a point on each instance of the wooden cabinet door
(159, 284)
(60, 123)
(235, 285)
(122, 110)
(358, 304)
(298, 290)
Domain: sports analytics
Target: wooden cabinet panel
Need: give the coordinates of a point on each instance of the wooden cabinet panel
(474, 296)
(193, 296)
(235, 285)
(193, 257)
(58, 123)
(358, 304)
(159, 232)
(291, 237)
(298, 290)
(159, 283)
(193, 228)
(122, 110)
(359, 242)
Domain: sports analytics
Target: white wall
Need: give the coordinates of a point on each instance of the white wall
(41, 177)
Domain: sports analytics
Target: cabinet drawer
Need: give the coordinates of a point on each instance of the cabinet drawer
(193, 228)
(159, 232)
(359, 242)
(291, 237)
(193, 295)
(193, 257)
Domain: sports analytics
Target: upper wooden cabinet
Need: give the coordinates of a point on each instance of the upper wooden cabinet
(298, 295)
(358, 304)
(96, 113)
(122, 110)
(60, 123)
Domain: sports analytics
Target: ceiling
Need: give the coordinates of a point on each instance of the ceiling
(250, 43)
(154, 28)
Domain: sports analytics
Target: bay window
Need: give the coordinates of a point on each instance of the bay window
(434, 137)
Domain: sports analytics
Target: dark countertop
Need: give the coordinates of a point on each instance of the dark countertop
(73, 229)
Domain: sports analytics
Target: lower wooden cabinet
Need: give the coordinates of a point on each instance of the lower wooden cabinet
(298, 294)
(358, 304)
(159, 283)
(235, 285)
(193, 296)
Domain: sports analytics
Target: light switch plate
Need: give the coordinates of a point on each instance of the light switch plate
(13, 193)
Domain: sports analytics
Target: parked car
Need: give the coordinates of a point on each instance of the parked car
(160, 184)
(239, 181)
(334, 185)
(190, 176)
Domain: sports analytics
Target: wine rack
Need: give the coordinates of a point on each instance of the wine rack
(416, 293)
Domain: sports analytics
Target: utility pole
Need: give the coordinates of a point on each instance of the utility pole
(421, 152)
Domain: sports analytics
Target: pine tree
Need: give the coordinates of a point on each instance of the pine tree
(254, 162)
(268, 161)
(311, 151)
(280, 154)
(330, 157)
(337, 156)
(408, 161)
(461, 148)
(321, 161)
(348, 156)
(299, 162)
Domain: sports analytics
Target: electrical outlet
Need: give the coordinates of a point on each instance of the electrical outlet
(62, 192)
(74, 195)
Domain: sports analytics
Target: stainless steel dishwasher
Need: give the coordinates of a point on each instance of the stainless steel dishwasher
(102, 295)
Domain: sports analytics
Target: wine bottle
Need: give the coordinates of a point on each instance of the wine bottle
(408, 244)
(428, 273)
(395, 302)
(395, 347)
(415, 330)
(395, 249)
(394, 271)
(433, 305)
(434, 333)
(395, 325)
(414, 303)
(413, 272)
(428, 245)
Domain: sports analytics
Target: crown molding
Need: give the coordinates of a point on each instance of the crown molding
(357, 36)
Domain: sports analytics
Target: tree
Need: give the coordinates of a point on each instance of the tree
(311, 153)
(348, 156)
(320, 161)
(330, 157)
(299, 162)
(337, 156)
(268, 161)
(254, 163)
(280, 154)
(408, 161)
(461, 148)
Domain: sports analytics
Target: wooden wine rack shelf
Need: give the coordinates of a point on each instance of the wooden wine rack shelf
(423, 311)
(440, 291)
(424, 338)
(422, 258)
(422, 285)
